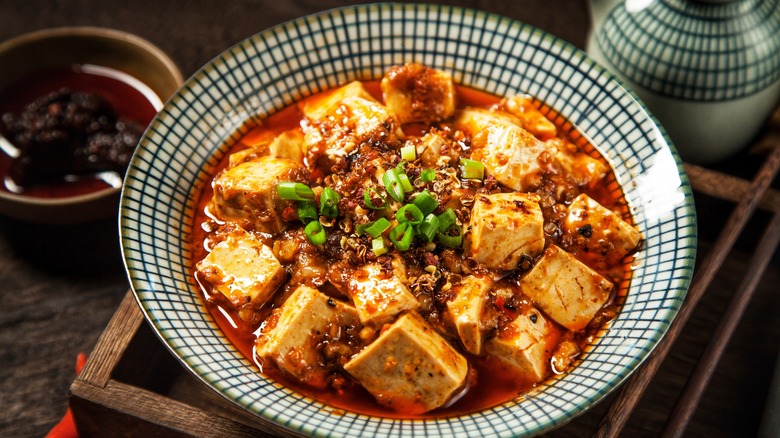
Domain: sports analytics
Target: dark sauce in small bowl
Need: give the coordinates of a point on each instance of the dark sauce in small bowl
(72, 130)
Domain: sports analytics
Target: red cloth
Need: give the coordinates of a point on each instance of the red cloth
(66, 428)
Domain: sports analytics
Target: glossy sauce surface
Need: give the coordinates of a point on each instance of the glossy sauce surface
(129, 99)
(496, 383)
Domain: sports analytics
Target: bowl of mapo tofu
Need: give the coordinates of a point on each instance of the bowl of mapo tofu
(393, 238)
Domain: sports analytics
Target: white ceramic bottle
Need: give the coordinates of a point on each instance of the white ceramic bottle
(708, 70)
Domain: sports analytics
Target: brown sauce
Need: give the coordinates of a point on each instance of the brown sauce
(496, 383)
(129, 99)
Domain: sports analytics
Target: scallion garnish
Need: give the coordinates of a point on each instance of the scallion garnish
(294, 191)
(393, 185)
(375, 228)
(452, 241)
(428, 175)
(409, 213)
(446, 220)
(315, 233)
(402, 236)
(408, 153)
(378, 246)
(472, 169)
(307, 211)
(329, 202)
(425, 202)
(428, 228)
(371, 195)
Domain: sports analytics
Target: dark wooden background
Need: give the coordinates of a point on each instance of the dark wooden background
(59, 285)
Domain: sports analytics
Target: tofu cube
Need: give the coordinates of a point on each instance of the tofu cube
(522, 107)
(410, 367)
(242, 268)
(380, 293)
(247, 193)
(435, 150)
(504, 227)
(509, 152)
(581, 167)
(337, 124)
(466, 310)
(523, 345)
(597, 235)
(287, 144)
(291, 339)
(567, 290)
(418, 93)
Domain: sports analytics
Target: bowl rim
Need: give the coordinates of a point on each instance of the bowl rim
(85, 32)
(601, 72)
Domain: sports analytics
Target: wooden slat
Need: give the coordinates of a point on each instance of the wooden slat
(728, 187)
(631, 392)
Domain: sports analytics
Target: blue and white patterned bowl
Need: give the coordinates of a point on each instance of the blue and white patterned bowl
(275, 68)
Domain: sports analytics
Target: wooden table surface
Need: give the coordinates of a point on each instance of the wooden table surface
(60, 285)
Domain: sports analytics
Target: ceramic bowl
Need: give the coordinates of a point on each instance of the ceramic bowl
(279, 66)
(30, 53)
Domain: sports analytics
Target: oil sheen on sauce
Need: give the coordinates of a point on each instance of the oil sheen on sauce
(128, 97)
(502, 385)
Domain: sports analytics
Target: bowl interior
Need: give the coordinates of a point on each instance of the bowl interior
(274, 68)
(37, 51)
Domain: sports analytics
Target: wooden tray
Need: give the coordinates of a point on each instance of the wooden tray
(132, 386)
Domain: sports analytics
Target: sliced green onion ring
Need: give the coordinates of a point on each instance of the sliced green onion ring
(294, 191)
(375, 228)
(446, 220)
(405, 183)
(329, 202)
(428, 228)
(449, 240)
(307, 211)
(378, 246)
(472, 169)
(408, 153)
(368, 198)
(409, 213)
(315, 233)
(393, 185)
(402, 236)
(428, 175)
(425, 202)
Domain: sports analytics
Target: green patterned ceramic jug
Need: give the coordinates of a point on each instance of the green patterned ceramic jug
(708, 70)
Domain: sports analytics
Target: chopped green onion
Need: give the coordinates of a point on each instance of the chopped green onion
(315, 233)
(425, 202)
(307, 211)
(393, 185)
(405, 183)
(378, 246)
(375, 228)
(329, 202)
(428, 228)
(409, 213)
(472, 169)
(449, 240)
(428, 175)
(402, 236)
(293, 191)
(408, 153)
(368, 199)
(446, 220)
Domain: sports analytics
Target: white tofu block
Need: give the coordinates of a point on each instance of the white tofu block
(410, 367)
(418, 93)
(242, 268)
(380, 294)
(533, 120)
(466, 310)
(597, 233)
(288, 144)
(523, 345)
(567, 290)
(291, 342)
(509, 152)
(436, 150)
(336, 124)
(504, 227)
(247, 193)
(583, 169)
